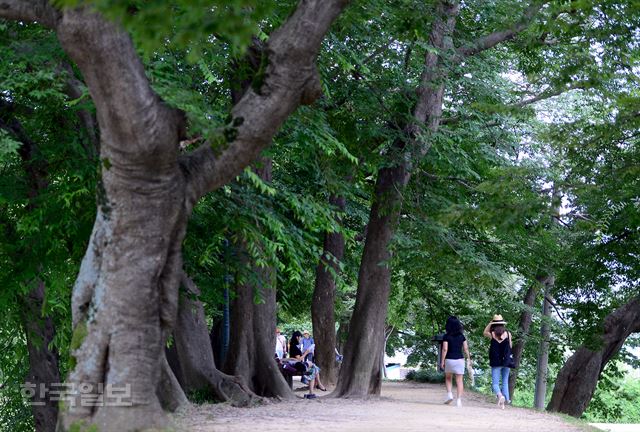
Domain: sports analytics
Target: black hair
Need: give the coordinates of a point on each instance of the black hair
(498, 329)
(453, 326)
(294, 338)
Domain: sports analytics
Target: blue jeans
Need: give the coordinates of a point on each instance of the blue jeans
(496, 374)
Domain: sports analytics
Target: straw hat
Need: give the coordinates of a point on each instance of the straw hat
(497, 319)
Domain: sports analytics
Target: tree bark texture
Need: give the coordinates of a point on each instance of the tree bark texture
(543, 351)
(342, 334)
(577, 380)
(324, 296)
(253, 325)
(169, 391)
(198, 370)
(523, 333)
(43, 360)
(125, 299)
(252, 347)
(360, 371)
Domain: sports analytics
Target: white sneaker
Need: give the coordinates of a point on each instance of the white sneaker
(448, 400)
(459, 403)
(501, 401)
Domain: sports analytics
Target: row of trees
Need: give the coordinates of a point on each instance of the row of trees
(461, 156)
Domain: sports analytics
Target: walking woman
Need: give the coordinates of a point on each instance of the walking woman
(499, 358)
(452, 360)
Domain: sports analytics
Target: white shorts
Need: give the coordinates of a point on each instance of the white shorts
(454, 366)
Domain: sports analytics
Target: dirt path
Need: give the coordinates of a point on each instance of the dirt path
(404, 407)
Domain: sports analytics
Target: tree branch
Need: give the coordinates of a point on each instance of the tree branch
(492, 39)
(288, 78)
(462, 181)
(548, 299)
(551, 93)
(36, 168)
(138, 131)
(542, 96)
(39, 11)
(427, 111)
(75, 89)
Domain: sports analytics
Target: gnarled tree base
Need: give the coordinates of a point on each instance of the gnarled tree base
(195, 355)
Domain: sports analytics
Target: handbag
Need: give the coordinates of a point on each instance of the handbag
(509, 361)
(289, 368)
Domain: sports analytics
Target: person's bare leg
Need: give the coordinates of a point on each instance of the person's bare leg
(448, 384)
(318, 383)
(460, 385)
(460, 388)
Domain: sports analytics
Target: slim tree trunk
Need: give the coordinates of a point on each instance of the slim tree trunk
(341, 335)
(523, 334)
(543, 352)
(253, 325)
(324, 295)
(43, 360)
(360, 372)
(577, 380)
(195, 354)
(547, 279)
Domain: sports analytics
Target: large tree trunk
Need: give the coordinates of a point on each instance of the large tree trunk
(577, 380)
(253, 325)
(324, 296)
(197, 365)
(118, 337)
(124, 301)
(252, 348)
(523, 333)
(43, 360)
(543, 351)
(360, 372)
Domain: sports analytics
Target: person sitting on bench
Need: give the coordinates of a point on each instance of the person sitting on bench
(312, 371)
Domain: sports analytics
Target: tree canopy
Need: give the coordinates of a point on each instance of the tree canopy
(465, 153)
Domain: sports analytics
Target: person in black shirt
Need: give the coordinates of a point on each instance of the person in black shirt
(452, 359)
(499, 356)
(311, 371)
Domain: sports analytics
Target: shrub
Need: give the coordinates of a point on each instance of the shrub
(426, 375)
